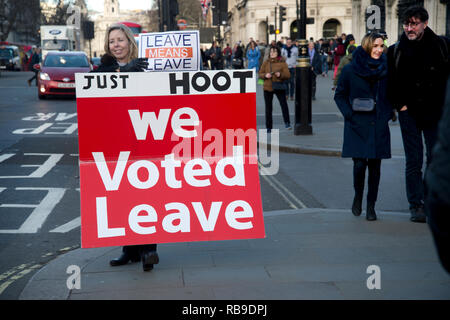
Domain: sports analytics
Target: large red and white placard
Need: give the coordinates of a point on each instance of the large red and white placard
(168, 157)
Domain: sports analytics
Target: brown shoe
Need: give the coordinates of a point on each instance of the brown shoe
(29, 83)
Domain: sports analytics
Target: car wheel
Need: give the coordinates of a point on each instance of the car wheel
(41, 96)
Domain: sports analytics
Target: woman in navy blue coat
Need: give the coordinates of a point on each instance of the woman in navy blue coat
(366, 133)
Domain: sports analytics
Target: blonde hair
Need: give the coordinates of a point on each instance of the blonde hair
(367, 43)
(132, 45)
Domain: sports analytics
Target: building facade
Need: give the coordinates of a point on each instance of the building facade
(252, 18)
(437, 10)
(112, 14)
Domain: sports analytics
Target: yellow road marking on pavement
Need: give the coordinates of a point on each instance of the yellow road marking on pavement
(281, 189)
(17, 276)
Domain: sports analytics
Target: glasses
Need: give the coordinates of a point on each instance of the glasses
(412, 25)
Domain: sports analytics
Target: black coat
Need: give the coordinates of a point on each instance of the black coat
(419, 77)
(366, 134)
(437, 180)
(317, 62)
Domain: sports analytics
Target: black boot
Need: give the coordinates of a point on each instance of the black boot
(357, 205)
(149, 259)
(418, 214)
(123, 259)
(370, 213)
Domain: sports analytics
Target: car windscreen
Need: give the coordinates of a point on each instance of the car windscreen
(6, 53)
(55, 44)
(66, 61)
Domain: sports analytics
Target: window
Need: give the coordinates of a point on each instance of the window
(66, 61)
(312, 12)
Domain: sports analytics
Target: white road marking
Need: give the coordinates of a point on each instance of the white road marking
(5, 156)
(37, 218)
(42, 169)
(75, 223)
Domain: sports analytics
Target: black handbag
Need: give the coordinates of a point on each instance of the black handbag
(236, 63)
(276, 85)
(365, 104)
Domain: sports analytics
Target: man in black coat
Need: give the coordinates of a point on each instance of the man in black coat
(316, 66)
(215, 57)
(417, 73)
(437, 200)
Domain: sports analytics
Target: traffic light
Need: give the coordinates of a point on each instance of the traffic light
(271, 29)
(282, 17)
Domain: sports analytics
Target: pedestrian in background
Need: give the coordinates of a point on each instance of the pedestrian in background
(339, 52)
(214, 55)
(361, 98)
(35, 59)
(275, 71)
(227, 56)
(331, 49)
(290, 53)
(351, 43)
(418, 69)
(253, 55)
(316, 67)
(344, 61)
(237, 61)
(122, 55)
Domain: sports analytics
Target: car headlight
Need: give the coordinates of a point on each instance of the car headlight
(44, 76)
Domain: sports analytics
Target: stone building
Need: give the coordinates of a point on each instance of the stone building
(437, 10)
(251, 18)
(112, 14)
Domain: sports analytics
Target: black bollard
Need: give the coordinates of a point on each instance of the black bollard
(303, 92)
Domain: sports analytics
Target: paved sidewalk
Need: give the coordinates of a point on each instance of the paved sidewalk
(307, 253)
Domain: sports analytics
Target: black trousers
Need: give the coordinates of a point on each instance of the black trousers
(359, 175)
(34, 77)
(268, 98)
(136, 251)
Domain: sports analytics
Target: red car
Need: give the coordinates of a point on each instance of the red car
(57, 73)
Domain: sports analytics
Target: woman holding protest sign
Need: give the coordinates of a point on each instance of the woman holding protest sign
(122, 56)
(274, 71)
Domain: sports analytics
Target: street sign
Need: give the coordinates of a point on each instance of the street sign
(164, 158)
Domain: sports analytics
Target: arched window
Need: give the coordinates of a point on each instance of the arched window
(331, 28)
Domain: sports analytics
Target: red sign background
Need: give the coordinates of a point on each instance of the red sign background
(105, 127)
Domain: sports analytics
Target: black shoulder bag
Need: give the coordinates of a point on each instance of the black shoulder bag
(365, 104)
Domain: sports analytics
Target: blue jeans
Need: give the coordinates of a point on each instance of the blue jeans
(291, 83)
(413, 146)
(324, 64)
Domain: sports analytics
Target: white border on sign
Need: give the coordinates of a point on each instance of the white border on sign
(195, 46)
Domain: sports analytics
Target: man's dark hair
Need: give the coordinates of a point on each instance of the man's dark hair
(418, 12)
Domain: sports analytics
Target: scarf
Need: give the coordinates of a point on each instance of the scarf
(288, 49)
(367, 67)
